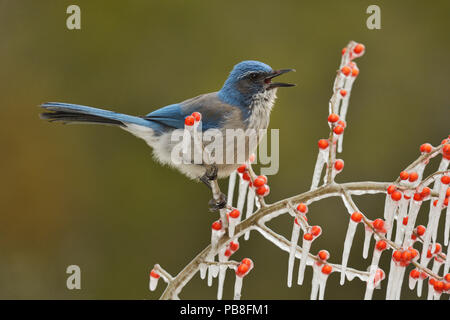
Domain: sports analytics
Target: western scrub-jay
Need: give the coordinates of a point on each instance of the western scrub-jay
(244, 102)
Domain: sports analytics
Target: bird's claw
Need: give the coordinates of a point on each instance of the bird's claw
(211, 172)
(218, 204)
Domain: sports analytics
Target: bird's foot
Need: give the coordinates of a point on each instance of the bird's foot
(211, 172)
(215, 205)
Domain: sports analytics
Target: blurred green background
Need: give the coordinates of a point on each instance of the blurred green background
(93, 196)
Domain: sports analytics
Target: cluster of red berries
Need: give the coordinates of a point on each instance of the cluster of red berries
(302, 209)
(323, 256)
(416, 274)
(232, 247)
(313, 233)
(260, 182)
(338, 125)
(441, 286)
(404, 257)
(446, 148)
(244, 267)
(418, 231)
(395, 194)
(193, 118)
(437, 251)
(411, 176)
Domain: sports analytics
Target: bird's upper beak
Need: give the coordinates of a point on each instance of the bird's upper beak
(276, 73)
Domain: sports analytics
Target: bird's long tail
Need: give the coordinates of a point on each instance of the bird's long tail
(66, 112)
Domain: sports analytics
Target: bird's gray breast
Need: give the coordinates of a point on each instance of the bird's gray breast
(260, 108)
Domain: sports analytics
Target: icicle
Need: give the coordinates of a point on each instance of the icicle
(430, 291)
(154, 277)
(234, 217)
(315, 282)
(322, 284)
(293, 248)
(243, 186)
(390, 290)
(402, 213)
(237, 288)
(447, 261)
(398, 285)
(370, 286)
(447, 225)
(439, 204)
(367, 236)
(203, 268)
(306, 246)
(412, 283)
(321, 160)
(354, 220)
(414, 208)
(231, 184)
(222, 271)
(250, 205)
(390, 209)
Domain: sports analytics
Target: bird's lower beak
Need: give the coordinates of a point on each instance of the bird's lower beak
(274, 74)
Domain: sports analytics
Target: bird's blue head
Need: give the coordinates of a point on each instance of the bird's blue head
(249, 79)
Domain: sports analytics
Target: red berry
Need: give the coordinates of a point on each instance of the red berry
(431, 281)
(242, 168)
(404, 175)
(189, 121)
(247, 261)
(242, 269)
(217, 225)
(339, 165)
(397, 255)
(413, 176)
(396, 195)
(246, 176)
(405, 221)
(308, 236)
(417, 197)
(338, 129)
(303, 208)
(342, 123)
(323, 255)
(420, 230)
(414, 274)
(425, 192)
(359, 48)
(437, 248)
(356, 216)
(326, 269)
(197, 116)
(446, 149)
(378, 224)
(343, 92)
(323, 143)
(406, 256)
(343, 51)
(346, 70)
(391, 189)
(154, 274)
(333, 118)
(234, 246)
(445, 179)
(426, 147)
(260, 181)
(438, 286)
(234, 214)
(316, 231)
(355, 72)
(447, 193)
(447, 277)
(227, 253)
(263, 190)
(381, 245)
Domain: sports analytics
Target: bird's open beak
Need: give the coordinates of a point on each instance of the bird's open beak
(276, 73)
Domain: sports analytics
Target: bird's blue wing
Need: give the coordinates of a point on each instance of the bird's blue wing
(171, 116)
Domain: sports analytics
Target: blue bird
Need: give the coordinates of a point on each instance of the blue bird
(244, 102)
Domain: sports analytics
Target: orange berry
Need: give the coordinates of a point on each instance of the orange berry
(447, 193)
(326, 269)
(391, 189)
(217, 225)
(355, 72)
(234, 214)
(333, 118)
(260, 181)
(154, 274)
(323, 143)
(359, 48)
(263, 190)
(381, 245)
(396, 195)
(339, 165)
(308, 236)
(303, 208)
(356, 216)
(426, 147)
(338, 129)
(197, 116)
(189, 121)
(323, 255)
(316, 231)
(404, 175)
(413, 176)
(447, 277)
(438, 286)
(346, 70)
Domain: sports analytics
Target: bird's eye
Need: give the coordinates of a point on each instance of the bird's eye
(253, 76)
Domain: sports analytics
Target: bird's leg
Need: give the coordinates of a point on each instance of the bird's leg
(219, 200)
